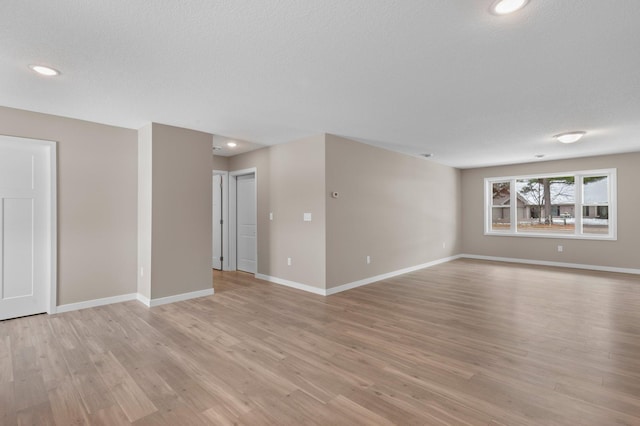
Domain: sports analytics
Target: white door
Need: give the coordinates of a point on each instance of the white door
(26, 229)
(246, 223)
(217, 222)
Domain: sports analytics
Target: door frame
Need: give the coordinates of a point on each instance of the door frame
(225, 218)
(51, 240)
(233, 208)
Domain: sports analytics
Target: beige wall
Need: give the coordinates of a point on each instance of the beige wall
(97, 193)
(290, 182)
(145, 138)
(297, 186)
(400, 210)
(220, 163)
(181, 211)
(622, 253)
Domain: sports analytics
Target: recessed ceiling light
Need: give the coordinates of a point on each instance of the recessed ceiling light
(232, 144)
(217, 148)
(46, 71)
(539, 155)
(429, 155)
(505, 7)
(570, 137)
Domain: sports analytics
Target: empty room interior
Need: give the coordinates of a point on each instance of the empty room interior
(320, 213)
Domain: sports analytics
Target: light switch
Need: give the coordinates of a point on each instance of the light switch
(270, 215)
(307, 217)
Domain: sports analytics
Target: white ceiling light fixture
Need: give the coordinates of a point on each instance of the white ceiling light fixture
(44, 70)
(232, 144)
(570, 137)
(505, 7)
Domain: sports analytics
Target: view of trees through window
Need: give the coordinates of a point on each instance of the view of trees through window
(572, 204)
(546, 204)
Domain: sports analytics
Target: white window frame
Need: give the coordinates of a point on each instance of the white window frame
(578, 209)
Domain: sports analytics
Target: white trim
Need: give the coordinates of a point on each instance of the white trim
(53, 193)
(143, 299)
(359, 283)
(292, 284)
(590, 237)
(233, 203)
(96, 302)
(549, 263)
(578, 204)
(365, 281)
(133, 296)
(597, 172)
(225, 218)
(177, 297)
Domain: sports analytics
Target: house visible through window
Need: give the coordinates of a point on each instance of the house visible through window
(575, 204)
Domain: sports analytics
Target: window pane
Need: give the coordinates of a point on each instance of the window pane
(596, 209)
(500, 206)
(596, 190)
(546, 205)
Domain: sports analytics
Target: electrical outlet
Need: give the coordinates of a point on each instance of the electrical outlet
(560, 249)
(368, 260)
(288, 261)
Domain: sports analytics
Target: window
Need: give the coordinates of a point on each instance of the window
(561, 205)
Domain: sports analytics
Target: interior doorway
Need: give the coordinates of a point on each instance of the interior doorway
(27, 227)
(243, 247)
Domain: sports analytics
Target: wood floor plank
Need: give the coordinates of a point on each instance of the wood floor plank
(110, 416)
(67, 406)
(463, 343)
(6, 364)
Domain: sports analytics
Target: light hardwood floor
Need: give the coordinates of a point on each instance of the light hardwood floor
(463, 343)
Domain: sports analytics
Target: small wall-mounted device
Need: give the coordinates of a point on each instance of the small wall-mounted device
(334, 194)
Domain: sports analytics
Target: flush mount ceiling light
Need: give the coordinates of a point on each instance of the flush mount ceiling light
(539, 155)
(429, 155)
(43, 70)
(232, 144)
(505, 7)
(570, 137)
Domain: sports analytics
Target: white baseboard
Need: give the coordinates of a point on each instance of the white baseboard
(95, 302)
(549, 263)
(132, 296)
(365, 281)
(292, 284)
(143, 299)
(349, 286)
(177, 298)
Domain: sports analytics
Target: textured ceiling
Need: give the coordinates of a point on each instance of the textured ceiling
(415, 76)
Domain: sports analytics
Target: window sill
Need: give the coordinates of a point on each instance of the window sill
(553, 236)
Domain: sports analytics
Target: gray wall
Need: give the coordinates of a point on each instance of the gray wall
(181, 211)
(398, 209)
(220, 163)
(145, 180)
(622, 253)
(97, 199)
(290, 182)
